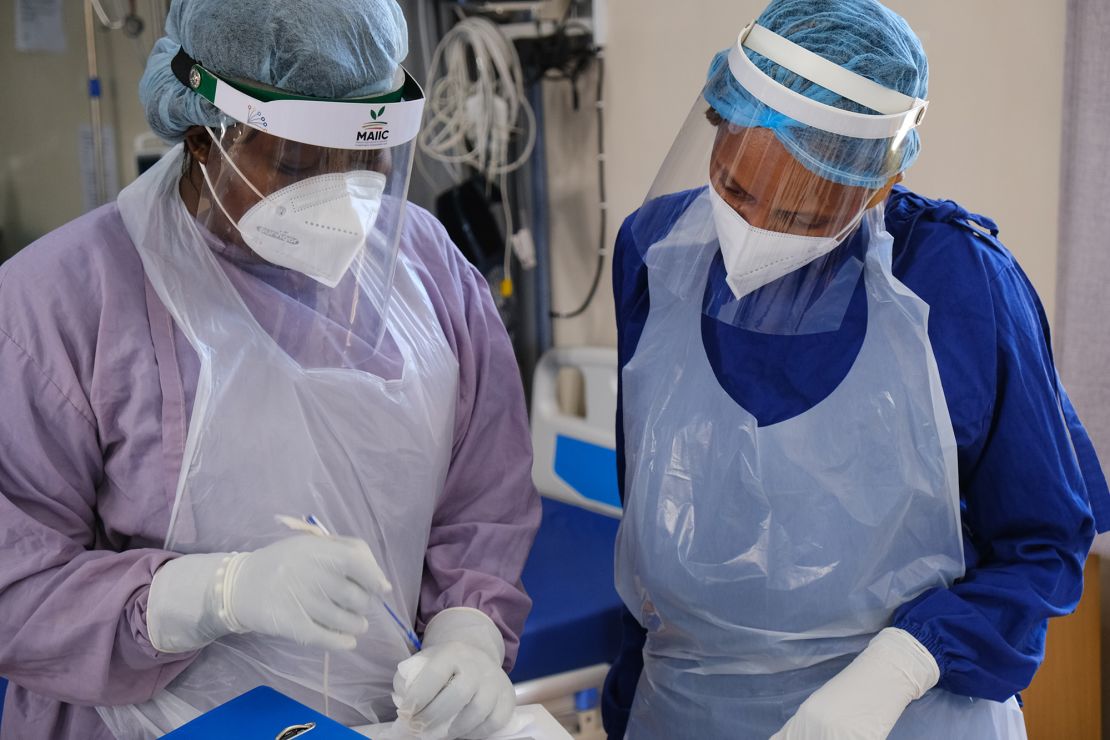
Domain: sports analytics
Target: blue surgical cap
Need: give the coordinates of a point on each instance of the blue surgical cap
(860, 35)
(321, 48)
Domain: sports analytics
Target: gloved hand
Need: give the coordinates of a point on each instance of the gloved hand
(865, 700)
(459, 689)
(309, 589)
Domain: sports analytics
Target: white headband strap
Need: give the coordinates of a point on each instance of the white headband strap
(898, 113)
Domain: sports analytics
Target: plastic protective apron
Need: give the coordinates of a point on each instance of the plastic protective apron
(761, 559)
(267, 436)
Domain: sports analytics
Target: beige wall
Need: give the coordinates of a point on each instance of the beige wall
(980, 149)
(991, 139)
(45, 104)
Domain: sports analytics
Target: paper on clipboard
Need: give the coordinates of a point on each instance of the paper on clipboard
(531, 722)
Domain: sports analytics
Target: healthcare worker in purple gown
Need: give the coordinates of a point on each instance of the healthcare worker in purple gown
(261, 329)
(854, 489)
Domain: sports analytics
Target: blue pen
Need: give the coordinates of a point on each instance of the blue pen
(410, 635)
(408, 632)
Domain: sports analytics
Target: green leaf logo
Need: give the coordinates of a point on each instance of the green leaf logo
(379, 112)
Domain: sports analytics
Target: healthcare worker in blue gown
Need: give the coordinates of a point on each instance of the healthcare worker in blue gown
(854, 487)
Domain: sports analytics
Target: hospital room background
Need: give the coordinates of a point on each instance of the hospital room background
(1015, 130)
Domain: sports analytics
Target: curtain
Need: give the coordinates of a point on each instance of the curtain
(1083, 294)
(1083, 289)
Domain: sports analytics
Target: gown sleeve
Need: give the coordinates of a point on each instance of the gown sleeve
(489, 512)
(74, 614)
(1026, 485)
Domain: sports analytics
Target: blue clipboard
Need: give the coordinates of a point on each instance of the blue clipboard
(263, 714)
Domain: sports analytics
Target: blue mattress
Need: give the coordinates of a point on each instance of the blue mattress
(575, 620)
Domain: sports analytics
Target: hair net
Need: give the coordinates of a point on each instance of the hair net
(860, 35)
(323, 48)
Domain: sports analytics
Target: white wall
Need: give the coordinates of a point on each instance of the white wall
(983, 148)
(991, 138)
(45, 103)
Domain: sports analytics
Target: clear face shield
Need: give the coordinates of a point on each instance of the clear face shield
(781, 183)
(310, 195)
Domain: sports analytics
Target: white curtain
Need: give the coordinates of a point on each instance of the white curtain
(1083, 303)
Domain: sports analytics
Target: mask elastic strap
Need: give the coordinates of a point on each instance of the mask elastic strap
(212, 190)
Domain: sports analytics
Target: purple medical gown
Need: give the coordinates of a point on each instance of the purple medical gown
(96, 383)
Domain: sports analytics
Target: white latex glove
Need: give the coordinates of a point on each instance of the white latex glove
(865, 700)
(455, 687)
(309, 589)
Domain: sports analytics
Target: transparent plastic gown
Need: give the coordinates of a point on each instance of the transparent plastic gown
(307, 403)
(762, 559)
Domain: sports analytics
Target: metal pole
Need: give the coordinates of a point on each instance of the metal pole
(95, 122)
(540, 227)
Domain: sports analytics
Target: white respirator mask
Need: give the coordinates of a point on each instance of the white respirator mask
(755, 257)
(315, 226)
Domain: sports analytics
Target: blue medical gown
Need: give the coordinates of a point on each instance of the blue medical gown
(1031, 488)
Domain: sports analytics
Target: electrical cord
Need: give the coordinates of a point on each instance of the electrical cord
(108, 23)
(602, 204)
(475, 107)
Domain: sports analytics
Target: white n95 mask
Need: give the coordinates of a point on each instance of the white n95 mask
(316, 226)
(755, 257)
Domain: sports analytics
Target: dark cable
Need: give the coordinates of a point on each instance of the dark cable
(601, 193)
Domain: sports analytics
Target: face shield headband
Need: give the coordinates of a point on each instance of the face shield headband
(372, 122)
(898, 114)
